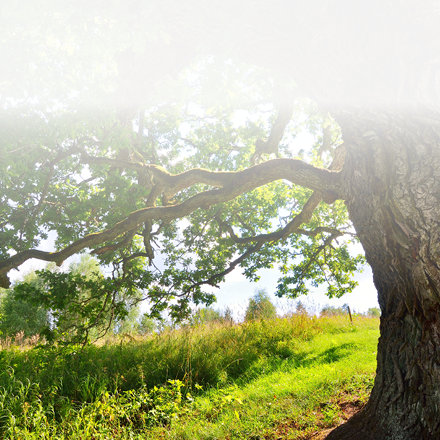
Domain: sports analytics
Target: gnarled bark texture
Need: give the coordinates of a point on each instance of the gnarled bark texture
(379, 75)
(375, 66)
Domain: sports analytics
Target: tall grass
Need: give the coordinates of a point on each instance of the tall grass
(123, 390)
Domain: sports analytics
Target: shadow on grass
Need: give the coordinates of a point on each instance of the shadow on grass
(305, 359)
(333, 354)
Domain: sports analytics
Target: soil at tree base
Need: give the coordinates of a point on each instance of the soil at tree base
(348, 408)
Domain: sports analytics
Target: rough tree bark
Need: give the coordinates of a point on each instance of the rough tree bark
(374, 67)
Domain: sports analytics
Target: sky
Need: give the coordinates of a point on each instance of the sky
(236, 291)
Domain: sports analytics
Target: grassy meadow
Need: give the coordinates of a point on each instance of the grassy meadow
(284, 378)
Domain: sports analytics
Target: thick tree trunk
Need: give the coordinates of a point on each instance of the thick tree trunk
(383, 87)
(392, 177)
(386, 87)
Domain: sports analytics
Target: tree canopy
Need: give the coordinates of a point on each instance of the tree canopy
(86, 165)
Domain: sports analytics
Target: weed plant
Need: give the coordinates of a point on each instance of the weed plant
(197, 375)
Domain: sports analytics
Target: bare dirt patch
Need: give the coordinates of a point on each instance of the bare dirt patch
(291, 430)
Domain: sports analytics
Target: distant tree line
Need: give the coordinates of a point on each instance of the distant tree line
(373, 312)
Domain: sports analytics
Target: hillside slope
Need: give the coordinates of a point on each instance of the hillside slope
(287, 378)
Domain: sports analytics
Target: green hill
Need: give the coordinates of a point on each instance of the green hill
(281, 378)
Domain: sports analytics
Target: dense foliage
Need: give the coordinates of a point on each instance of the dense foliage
(83, 163)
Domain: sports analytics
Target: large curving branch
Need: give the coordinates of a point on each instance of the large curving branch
(231, 185)
(291, 228)
(296, 171)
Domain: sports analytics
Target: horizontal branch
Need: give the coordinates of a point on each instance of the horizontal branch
(334, 233)
(231, 185)
(293, 170)
(293, 226)
(212, 280)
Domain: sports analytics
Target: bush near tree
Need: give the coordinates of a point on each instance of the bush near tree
(146, 325)
(21, 316)
(206, 315)
(373, 312)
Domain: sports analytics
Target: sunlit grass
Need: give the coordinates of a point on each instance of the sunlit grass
(253, 380)
(300, 392)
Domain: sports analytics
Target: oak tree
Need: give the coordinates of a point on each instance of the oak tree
(118, 123)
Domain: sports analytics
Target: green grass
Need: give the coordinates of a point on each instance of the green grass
(283, 378)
